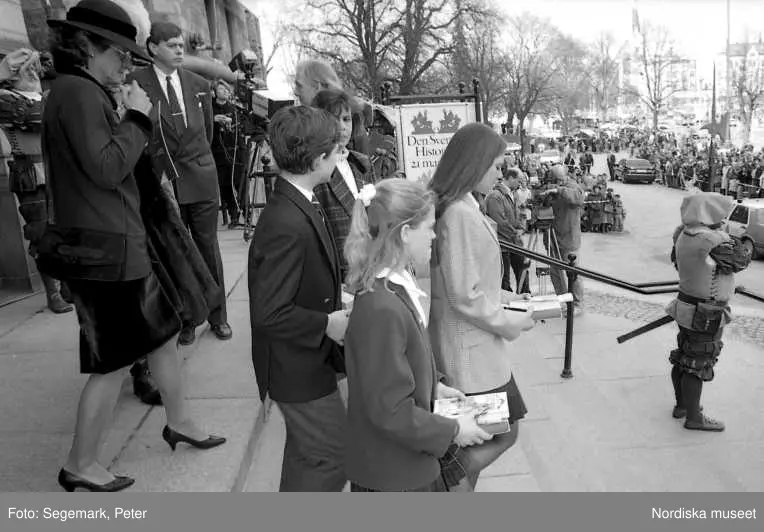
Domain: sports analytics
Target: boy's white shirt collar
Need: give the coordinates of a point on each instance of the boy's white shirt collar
(304, 191)
(412, 289)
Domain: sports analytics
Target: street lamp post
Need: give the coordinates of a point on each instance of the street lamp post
(729, 91)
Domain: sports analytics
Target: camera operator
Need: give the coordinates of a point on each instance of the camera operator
(567, 200)
(224, 150)
(501, 207)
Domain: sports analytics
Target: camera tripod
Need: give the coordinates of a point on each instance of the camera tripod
(543, 240)
(257, 185)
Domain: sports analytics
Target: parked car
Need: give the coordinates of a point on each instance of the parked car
(635, 171)
(746, 221)
(550, 157)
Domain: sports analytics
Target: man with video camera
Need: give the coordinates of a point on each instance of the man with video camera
(227, 150)
(567, 201)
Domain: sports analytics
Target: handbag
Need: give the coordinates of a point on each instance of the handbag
(81, 254)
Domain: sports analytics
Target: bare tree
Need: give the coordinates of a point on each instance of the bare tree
(748, 84)
(356, 36)
(478, 54)
(280, 39)
(373, 41)
(603, 71)
(571, 88)
(656, 56)
(531, 66)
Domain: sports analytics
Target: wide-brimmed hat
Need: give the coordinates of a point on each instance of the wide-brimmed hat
(105, 19)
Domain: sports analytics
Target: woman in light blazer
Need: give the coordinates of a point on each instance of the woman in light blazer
(469, 328)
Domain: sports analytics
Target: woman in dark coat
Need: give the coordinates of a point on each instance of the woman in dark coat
(130, 305)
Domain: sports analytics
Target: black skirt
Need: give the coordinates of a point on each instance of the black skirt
(121, 322)
(517, 408)
(458, 462)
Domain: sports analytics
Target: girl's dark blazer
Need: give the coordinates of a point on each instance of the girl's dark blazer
(337, 200)
(393, 439)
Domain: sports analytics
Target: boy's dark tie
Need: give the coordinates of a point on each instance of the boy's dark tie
(175, 111)
(319, 209)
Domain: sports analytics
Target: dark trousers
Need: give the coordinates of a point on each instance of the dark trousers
(516, 264)
(314, 451)
(228, 190)
(559, 276)
(202, 222)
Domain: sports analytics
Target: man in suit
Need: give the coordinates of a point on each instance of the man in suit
(294, 302)
(181, 151)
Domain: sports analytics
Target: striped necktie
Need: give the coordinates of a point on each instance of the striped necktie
(175, 111)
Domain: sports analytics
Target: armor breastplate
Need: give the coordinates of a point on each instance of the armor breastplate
(698, 275)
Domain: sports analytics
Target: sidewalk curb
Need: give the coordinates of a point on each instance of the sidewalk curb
(254, 443)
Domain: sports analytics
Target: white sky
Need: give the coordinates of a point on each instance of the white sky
(698, 26)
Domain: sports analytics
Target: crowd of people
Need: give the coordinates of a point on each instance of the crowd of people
(343, 338)
(684, 162)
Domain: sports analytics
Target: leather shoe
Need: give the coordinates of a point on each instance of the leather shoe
(144, 386)
(222, 331)
(187, 336)
(705, 423)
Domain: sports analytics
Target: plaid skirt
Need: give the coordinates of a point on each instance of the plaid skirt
(458, 462)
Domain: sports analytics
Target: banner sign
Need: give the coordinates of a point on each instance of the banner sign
(425, 130)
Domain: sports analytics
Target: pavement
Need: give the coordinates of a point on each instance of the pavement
(40, 385)
(609, 428)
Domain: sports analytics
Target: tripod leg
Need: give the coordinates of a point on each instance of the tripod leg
(532, 246)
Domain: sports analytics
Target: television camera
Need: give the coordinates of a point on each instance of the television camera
(258, 105)
(540, 203)
(251, 91)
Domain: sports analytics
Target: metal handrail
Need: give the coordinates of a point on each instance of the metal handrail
(649, 288)
(572, 271)
(640, 288)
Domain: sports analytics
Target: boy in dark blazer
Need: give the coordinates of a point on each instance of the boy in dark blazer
(294, 300)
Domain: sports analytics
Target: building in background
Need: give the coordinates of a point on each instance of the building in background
(749, 53)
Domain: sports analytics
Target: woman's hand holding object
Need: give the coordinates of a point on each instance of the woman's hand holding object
(136, 99)
(446, 392)
(470, 432)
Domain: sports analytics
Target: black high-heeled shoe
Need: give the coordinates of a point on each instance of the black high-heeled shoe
(172, 438)
(70, 482)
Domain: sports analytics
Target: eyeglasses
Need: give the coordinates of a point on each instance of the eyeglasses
(125, 56)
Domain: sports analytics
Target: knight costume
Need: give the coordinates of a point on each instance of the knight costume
(706, 258)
